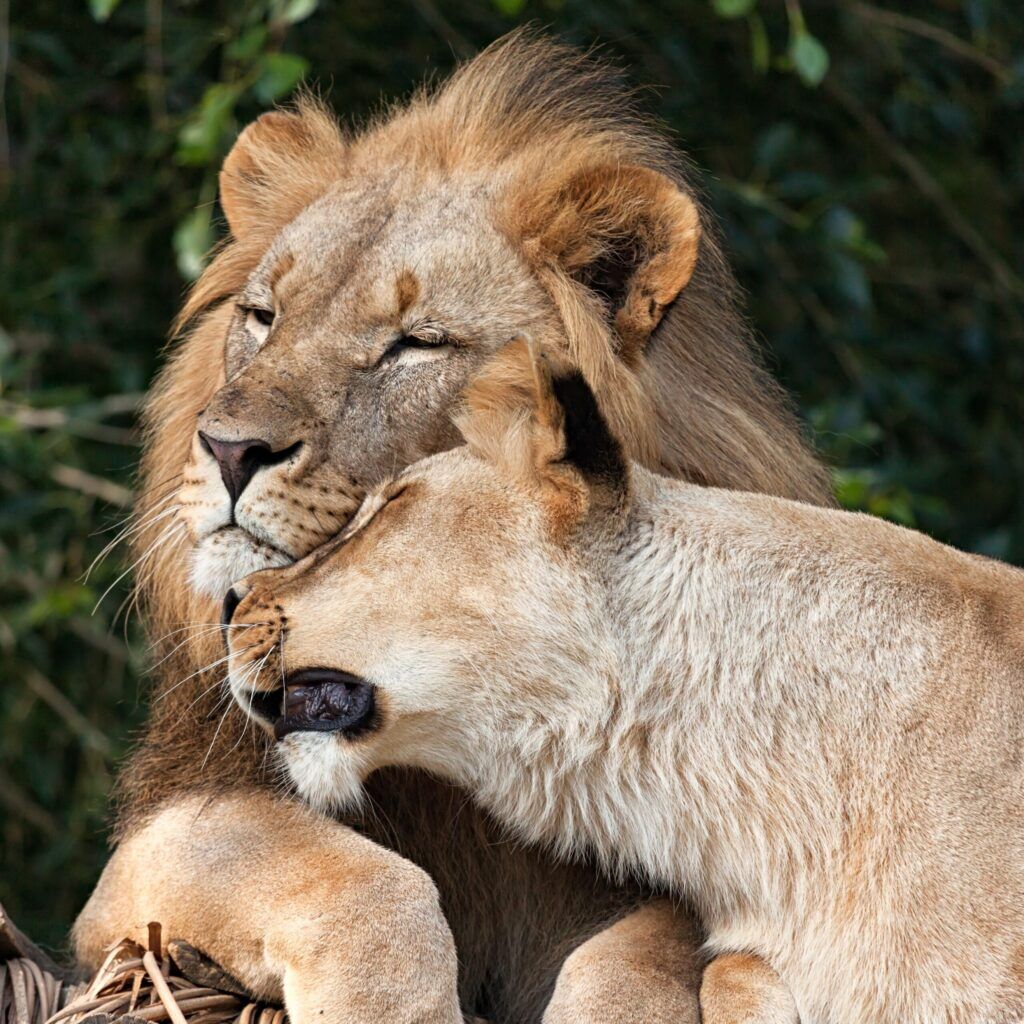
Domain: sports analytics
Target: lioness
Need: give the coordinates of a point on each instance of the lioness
(809, 722)
(365, 280)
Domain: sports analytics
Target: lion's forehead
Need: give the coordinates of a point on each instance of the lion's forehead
(357, 239)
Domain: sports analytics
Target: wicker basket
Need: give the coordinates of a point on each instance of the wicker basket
(133, 984)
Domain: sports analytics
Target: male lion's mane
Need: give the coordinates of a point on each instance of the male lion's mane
(526, 110)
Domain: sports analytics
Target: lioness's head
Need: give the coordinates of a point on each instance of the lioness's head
(366, 278)
(464, 602)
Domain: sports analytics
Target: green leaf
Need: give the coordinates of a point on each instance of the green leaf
(810, 58)
(291, 11)
(200, 137)
(248, 45)
(760, 47)
(280, 73)
(733, 8)
(510, 8)
(101, 10)
(60, 601)
(193, 238)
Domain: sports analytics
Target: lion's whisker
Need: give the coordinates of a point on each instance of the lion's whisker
(163, 539)
(151, 518)
(131, 603)
(153, 501)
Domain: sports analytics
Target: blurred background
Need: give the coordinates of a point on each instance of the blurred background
(866, 161)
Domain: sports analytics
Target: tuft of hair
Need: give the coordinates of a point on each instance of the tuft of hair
(532, 417)
(509, 415)
(589, 445)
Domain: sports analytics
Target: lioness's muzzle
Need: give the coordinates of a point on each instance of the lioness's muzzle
(326, 700)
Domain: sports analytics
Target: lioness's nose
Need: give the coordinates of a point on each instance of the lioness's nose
(232, 599)
(239, 460)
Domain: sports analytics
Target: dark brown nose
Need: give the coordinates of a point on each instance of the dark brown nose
(239, 460)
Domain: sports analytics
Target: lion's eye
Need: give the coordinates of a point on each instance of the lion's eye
(258, 321)
(427, 341)
(421, 341)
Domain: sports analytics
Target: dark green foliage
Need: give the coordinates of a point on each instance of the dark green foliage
(867, 164)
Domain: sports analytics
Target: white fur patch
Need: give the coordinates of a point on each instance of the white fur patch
(227, 556)
(327, 770)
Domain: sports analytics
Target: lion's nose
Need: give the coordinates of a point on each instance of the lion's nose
(239, 460)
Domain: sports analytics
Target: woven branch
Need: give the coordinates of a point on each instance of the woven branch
(133, 984)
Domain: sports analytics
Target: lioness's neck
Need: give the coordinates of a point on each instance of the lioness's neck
(715, 752)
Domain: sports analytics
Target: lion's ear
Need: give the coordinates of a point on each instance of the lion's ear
(278, 166)
(628, 234)
(541, 425)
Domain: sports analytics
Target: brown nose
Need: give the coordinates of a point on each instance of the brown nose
(239, 460)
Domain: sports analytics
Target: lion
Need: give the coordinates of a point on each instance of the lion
(807, 721)
(367, 277)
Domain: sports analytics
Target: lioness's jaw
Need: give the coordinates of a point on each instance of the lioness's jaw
(554, 483)
(326, 774)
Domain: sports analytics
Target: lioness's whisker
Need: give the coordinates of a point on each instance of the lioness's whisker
(215, 628)
(209, 749)
(223, 717)
(252, 693)
(205, 668)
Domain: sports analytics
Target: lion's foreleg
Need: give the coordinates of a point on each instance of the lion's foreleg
(295, 906)
(739, 988)
(645, 967)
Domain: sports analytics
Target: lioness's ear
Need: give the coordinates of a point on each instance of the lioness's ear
(628, 234)
(541, 425)
(279, 165)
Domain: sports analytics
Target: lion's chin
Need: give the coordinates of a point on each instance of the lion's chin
(227, 556)
(327, 772)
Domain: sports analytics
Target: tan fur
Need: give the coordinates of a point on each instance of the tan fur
(334, 909)
(742, 989)
(806, 721)
(421, 223)
(621, 974)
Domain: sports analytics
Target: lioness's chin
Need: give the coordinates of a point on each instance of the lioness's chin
(227, 556)
(328, 773)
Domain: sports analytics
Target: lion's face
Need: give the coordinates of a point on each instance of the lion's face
(346, 349)
(458, 604)
(379, 282)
